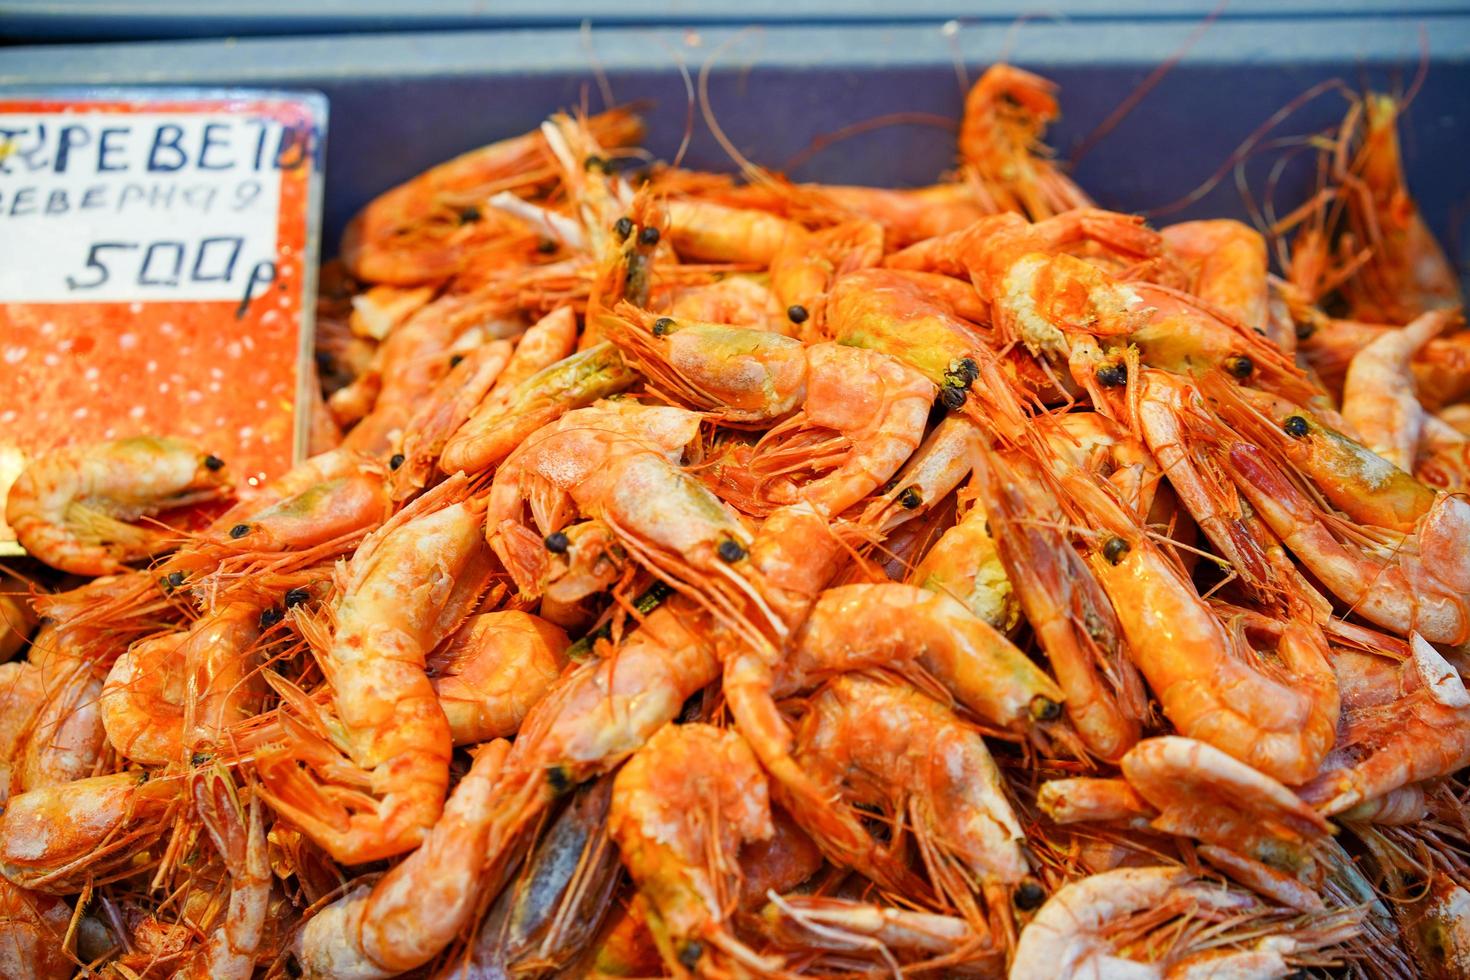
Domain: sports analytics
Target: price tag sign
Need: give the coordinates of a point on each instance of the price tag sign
(158, 253)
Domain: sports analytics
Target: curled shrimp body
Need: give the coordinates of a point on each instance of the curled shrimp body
(681, 808)
(491, 672)
(1378, 398)
(1211, 683)
(142, 701)
(1071, 936)
(1414, 728)
(57, 838)
(23, 691)
(33, 935)
(885, 745)
(412, 912)
(423, 230)
(854, 627)
(405, 589)
(71, 508)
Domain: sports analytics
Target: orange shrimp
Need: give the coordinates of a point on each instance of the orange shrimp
(407, 587)
(33, 935)
(422, 230)
(493, 670)
(1379, 402)
(1228, 261)
(681, 808)
(71, 508)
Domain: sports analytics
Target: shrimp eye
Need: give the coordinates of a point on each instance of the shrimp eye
(174, 579)
(1112, 375)
(910, 498)
(213, 463)
(595, 162)
(271, 617)
(456, 360)
(968, 369)
(624, 227)
(1028, 895)
(1305, 330)
(469, 215)
(730, 550)
(690, 953)
(557, 543)
(1240, 366)
(559, 779)
(546, 246)
(951, 397)
(295, 597)
(1295, 426)
(662, 326)
(395, 461)
(648, 236)
(797, 313)
(239, 530)
(1044, 708)
(1114, 549)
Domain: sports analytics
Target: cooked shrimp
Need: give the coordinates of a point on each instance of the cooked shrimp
(965, 564)
(1006, 112)
(71, 508)
(408, 585)
(1072, 936)
(142, 701)
(415, 232)
(1066, 606)
(681, 808)
(412, 912)
(1211, 684)
(66, 735)
(1228, 262)
(493, 670)
(1441, 368)
(238, 834)
(1415, 731)
(34, 931)
(1378, 398)
(877, 744)
(594, 717)
(23, 690)
(58, 838)
(488, 438)
(737, 300)
(1406, 273)
(857, 627)
(807, 923)
(17, 618)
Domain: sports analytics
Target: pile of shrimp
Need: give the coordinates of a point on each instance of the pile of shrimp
(746, 578)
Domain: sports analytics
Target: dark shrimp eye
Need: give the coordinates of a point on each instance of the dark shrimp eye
(648, 236)
(239, 530)
(1028, 895)
(1295, 426)
(546, 246)
(213, 463)
(662, 326)
(1305, 330)
(469, 215)
(595, 162)
(559, 779)
(557, 543)
(395, 461)
(271, 617)
(1114, 550)
(174, 579)
(731, 550)
(456, 360)
(797, 313)
(1240, 366)
(968, 369)
(295, 597)
(690, 953)
(1044, 708)
(624, 227)
(1112, 375)
(951, 397)
(910, 499)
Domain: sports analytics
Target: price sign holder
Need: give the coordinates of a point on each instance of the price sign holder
(158, 258)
